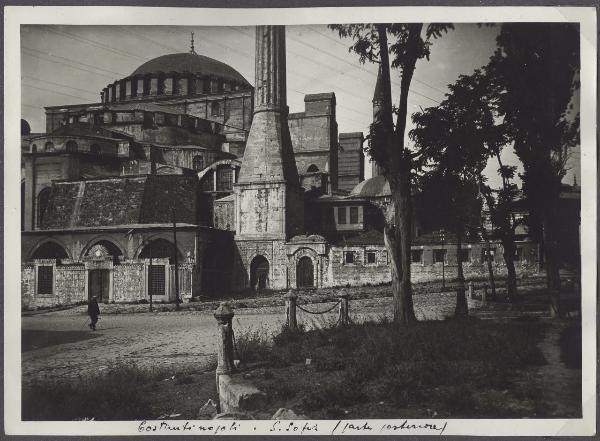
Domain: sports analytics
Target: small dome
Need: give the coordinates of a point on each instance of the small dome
(193, 63)
(376, 187)
(25, 127)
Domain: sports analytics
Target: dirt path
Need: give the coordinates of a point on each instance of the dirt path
(59, 344)
(560, 386)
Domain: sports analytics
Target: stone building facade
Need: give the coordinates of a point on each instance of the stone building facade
(185, 171)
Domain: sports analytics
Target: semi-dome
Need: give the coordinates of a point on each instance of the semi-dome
(376, 187)
(192, 63)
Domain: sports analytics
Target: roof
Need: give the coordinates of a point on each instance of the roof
(357, 238)
(375, 187)
(193, 63)
(120, 201)
(84, 129)
(230, 198)
(148, 107)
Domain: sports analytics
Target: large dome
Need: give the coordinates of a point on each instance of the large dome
(193, 63)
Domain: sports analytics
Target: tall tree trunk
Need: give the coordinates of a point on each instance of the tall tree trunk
(462, 309)
(552, 274)
(398, 242)
(490, 268)
(509, 260)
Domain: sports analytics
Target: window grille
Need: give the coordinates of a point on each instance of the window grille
(157, 280)
(439, 256)
(45, 279)
(416, 256)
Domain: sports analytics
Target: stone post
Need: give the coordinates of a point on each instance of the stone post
(470, 290)
(223, 314)
(344, 317)
(290, 310)
(484, 295)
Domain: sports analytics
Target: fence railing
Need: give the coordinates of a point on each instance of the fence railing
(292, 306)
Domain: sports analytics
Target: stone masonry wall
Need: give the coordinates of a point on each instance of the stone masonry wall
(27, 285)
(70, 284)
(129, 281)
(275, 253)
(360, 272)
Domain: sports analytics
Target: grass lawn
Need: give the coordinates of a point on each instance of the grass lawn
(444, 369)
(121, 392)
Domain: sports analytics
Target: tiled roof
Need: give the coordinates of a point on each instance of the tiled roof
(121, 201)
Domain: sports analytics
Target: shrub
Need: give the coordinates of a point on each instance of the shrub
(252, 345)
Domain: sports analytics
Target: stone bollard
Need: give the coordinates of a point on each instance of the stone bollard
(344, 317)
(223, 315)
(471, 290)
(290, 310)
(484, 295)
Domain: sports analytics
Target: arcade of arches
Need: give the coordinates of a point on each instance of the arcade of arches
(127, 266)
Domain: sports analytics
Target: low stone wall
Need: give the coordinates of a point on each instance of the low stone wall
(238, 395)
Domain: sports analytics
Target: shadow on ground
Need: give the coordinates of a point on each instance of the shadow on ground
(37, 339)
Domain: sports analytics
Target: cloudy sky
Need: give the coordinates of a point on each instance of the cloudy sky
(72, 64)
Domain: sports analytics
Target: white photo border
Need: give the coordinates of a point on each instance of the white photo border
(15, 16)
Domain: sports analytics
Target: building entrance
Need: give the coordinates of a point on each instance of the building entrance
(98, 284)
(305, 273)
(259, 273)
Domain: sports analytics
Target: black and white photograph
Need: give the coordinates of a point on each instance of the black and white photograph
(365, 221)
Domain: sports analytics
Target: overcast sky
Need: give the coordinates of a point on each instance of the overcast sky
(72, 64)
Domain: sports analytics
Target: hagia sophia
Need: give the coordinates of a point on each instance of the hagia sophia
(187, 181)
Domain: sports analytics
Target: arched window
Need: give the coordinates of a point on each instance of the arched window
(215, 108)
(50, 250)
(49, 147)
(42, 204)
(160, 249)
(71, 146)
(312, 169)
(33, 148)
(198, 163)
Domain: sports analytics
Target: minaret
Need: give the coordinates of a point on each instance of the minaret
(269, 201)
(377, 108)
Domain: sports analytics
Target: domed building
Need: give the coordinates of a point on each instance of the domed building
(167, 188)
(105, 184)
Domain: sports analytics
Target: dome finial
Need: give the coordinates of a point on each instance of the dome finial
(192, 51)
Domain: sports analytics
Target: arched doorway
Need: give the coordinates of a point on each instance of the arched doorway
(100, 258)
(259, 273)
(305, 273)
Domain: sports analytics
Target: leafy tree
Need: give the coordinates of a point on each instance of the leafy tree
(534, 74)
(449, 200)
(408, 42)
(454, 135)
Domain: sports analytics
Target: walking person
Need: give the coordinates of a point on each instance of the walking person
(93, 312)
